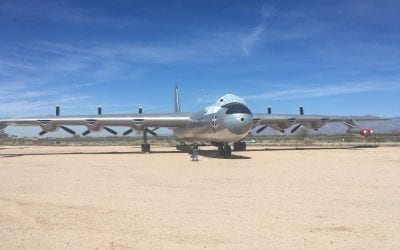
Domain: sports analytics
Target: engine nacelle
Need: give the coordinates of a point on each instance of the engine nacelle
(94, 128)
(48, 125)
(316, 124)
(93, 125)
(365, 132)
(281, 126)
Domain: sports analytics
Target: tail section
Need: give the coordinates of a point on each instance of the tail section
(177, 100)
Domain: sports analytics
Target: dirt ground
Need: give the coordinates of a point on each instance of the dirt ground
(117, 198)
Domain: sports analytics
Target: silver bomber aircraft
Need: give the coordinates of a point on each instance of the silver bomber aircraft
(227, 121)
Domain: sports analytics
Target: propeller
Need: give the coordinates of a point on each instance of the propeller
(42, 132)
(261, 129)
(301, 112)
(295, 128)
(86, 132)
(128, 132)
(68, 130)
(111, 130)
(151, 131)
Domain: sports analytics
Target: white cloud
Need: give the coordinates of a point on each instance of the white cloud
(59, 11)
(268, 11)
(250, 39)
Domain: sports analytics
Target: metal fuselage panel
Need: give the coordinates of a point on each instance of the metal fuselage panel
(219, 125)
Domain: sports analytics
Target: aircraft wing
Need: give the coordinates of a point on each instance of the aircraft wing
(98, 122)
(282, 122)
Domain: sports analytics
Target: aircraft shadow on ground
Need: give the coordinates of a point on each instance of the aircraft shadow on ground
(82, 153)
(314, 148)
(203, 153)
(215, 154)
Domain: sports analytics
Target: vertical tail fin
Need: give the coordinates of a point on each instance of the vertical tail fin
(177, 100)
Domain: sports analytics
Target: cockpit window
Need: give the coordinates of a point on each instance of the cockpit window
(236, 108)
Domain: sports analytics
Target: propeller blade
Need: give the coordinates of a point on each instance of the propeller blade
(152, 131)
(295, 128)
(68, 130)
(261, 129)
(86, 132)
(111, 130)
(42, 132)
(128, 132)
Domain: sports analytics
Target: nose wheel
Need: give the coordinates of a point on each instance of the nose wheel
(225, 150)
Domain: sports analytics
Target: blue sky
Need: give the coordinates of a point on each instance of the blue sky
(333, 57)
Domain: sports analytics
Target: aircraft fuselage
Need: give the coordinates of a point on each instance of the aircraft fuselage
(229, 119)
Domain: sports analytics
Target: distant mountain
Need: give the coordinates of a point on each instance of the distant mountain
(379, 127)
(3, 134)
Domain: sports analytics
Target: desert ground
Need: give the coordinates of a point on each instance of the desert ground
(265, 198)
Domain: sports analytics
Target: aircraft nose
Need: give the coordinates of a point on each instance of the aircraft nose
(239, 124)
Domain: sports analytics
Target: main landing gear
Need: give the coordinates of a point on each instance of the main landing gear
(224, 150)
(239, 146)
(145, 146)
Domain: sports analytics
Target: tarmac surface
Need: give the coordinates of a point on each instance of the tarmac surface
(116, 198)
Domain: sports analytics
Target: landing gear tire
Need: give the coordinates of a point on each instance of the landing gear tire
(227, 151)
(221, 150)
(224, 150)
(145, 148)
(239, 146)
